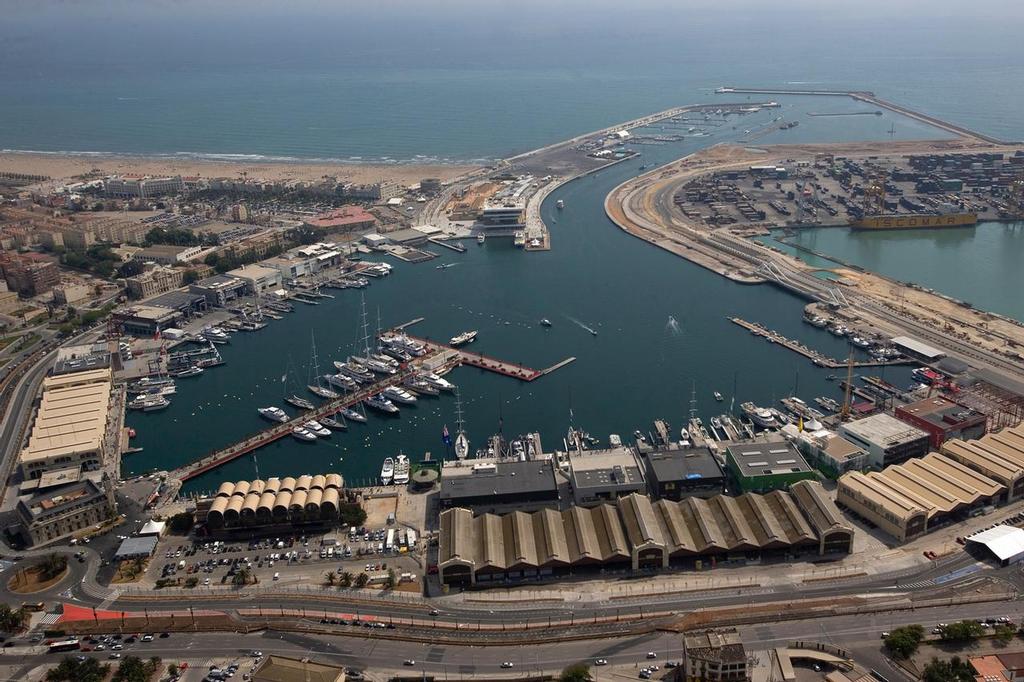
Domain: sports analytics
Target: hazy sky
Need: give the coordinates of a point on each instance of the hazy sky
(496, 32)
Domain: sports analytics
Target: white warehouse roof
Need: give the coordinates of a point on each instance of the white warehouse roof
(920, 348)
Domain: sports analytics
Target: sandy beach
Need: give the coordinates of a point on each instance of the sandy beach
(65, 167)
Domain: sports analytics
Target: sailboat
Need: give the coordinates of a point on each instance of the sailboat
(318, 387)
(461, 439)
(293, 398)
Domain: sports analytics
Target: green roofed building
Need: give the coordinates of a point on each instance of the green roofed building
(764, 466)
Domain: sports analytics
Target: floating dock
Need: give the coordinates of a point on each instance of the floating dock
(814, 356)
(509, 369)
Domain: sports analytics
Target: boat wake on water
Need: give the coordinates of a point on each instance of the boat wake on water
(672, 326)
(581, 325)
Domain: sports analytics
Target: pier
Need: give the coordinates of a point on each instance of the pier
(440, 242)
(509, 369)
(814, 356)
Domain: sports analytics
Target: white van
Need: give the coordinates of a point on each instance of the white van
(277, 576)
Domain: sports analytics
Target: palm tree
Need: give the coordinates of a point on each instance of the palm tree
(345, 580)
(331, 576)
(392, 579)
(241, 578)
(362, 579)
(52, 566)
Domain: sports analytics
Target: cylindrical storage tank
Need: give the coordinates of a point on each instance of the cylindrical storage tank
(303, 482)
(313, 498)
(231, 514)
(241, 488)
(333, 481)
(319, 481)
(266, 508)
(272, 485)
(215, 517)
(225, 489)
(287, 483)
(281, 503)
(252, 500)
(329, 505)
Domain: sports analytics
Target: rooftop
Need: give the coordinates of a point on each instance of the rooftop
(155, 313)
(341, 217)
(1004, 541)
(72, 416)
(217, 282)
(137, 546)
(918, 347)
(53, 500)
(504, 478)
(942, 412)
(604, 468)
(283, 669)
(766, 459)
(883, 430)
(682, 465)
(253, 272)
(725, 646)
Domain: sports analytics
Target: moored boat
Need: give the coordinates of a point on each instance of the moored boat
(302, 434)
(274, 414)
(387, 471)
(463, 338)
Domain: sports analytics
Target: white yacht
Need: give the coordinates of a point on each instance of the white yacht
(401, 471)
(302, 434)
(387, 471)
(274, 414)
(461, 445)
(437, 381)
(463, 338)
(317, 429)
(352, 415)
(379, 402)
(323, 392)
(399, 395)
(149, 403)
(761, 416)
(341, 381)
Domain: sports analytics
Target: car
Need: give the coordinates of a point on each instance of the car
(114, 655)
(651, 654)
(117, 647)
(671, 664)
(817, 667)
(435, 612)
(885, 634)
(147, 638)
(645, 674)
(100, 647)
(256, 653)
(601, 661)
(653, 668)
(164, 635)
(507, 664)
(277, 576)
(409, 662)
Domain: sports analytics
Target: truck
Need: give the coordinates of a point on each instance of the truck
(389, 544)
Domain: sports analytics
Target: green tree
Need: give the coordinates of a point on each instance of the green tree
(52, 565)
(172, 670)
(953, 670)
(12, 620)
(331, 577)
(964, 631)
(181, 523)
(191, 581)
(351, 514)
(189, 276)
(345, 579)
(70, 670)
(129, 269)
(392, 579)
(362, 579)
(1005, 632)
(133, 669)
(903, 642)
(577, 672)
(211, 259)
(241, 578)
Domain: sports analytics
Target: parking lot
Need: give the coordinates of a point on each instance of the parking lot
(287, 559)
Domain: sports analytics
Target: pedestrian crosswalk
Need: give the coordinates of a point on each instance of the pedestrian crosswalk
(916, 585)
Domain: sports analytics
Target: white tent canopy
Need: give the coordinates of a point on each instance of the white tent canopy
(153, 528)
(1005, 542)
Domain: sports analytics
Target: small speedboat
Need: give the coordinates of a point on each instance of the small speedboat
(545, 322)
(718, 396)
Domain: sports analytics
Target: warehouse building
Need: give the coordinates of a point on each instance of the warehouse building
(943, 419)
(886, 439)
(917, 349)
(908, 500)
(600, 476)
(825, 450)
(288, 500)
(1005, 543)
(634, 533)
(70, 425)
(763, 466)
(688, 472)
(484, 485)
(219, 290)
(999, 456)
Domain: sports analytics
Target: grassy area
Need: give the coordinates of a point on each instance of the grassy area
(27, 340)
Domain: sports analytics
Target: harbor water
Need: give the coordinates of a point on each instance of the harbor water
(662, 333)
